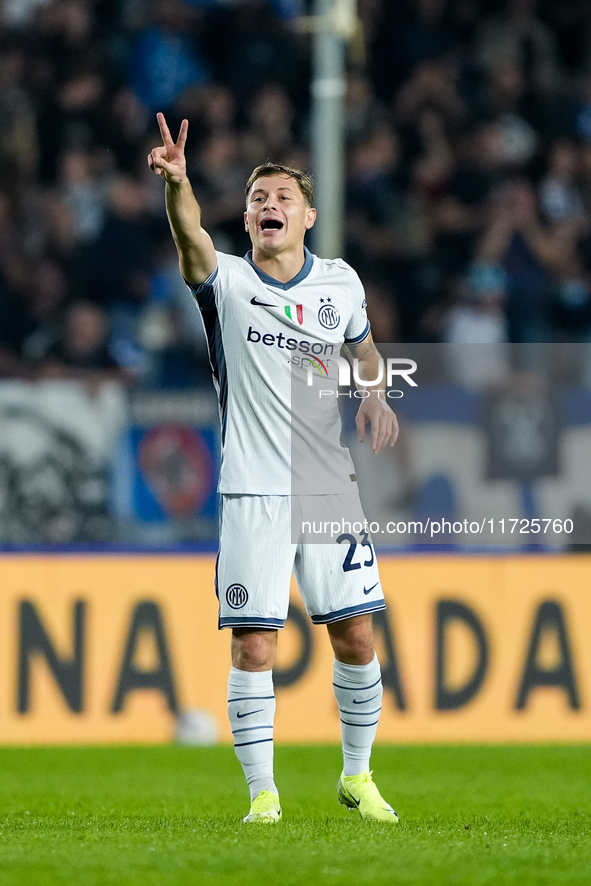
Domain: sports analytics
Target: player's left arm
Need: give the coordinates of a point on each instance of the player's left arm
(374, 407)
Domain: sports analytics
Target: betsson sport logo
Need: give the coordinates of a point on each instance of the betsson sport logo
(301, 345)
(312, 357)
(304, 354)
(392, 367)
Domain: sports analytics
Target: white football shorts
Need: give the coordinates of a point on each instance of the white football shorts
(337, 579)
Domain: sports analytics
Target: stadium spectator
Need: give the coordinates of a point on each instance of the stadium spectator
(504, 101)
(43, 305)
(165, 58)
(476, 330)
(516, 241)
(249, 46)
(432, 84)
(412, 33)
(219, 168)
(169, 329)
(518, 36)
(560, 197)
(84, 190)
(364, 112)
(18, 14)
(271, 117)
(81, 350)
(18, 141)
(118, 260)
(461, 209)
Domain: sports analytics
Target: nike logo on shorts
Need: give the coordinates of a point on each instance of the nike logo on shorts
(367, 590)
(248, 713)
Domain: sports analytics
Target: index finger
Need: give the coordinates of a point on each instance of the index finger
(164, 130)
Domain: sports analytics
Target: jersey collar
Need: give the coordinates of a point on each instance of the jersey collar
(271, 281)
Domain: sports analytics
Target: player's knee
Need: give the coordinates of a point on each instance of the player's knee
(253, 650)
(354, 653)
(352, 640)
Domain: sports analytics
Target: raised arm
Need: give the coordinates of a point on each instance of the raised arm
(374, 408)
(197, 257)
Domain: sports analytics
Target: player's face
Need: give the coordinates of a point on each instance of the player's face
(277, 215)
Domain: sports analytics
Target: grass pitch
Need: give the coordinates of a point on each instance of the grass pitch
(168, 816)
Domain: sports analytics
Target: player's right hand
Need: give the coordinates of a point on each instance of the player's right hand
(169, 159)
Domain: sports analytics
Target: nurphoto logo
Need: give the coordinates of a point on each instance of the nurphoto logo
(399, 367)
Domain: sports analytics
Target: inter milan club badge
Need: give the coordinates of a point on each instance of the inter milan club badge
(236, 596)
(328, 315)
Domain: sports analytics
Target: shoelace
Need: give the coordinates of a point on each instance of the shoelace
(261, 803)
(365, 778)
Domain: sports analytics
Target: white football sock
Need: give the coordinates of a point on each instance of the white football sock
(358, 691)
(251, 709)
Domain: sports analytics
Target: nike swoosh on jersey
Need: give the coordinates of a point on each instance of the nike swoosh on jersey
(248, 713)
(262, 304)
(367, 590)
(363, 700)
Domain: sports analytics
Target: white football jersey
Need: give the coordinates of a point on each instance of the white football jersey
(263, 335)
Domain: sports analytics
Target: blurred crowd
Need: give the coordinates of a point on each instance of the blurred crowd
(468, 183)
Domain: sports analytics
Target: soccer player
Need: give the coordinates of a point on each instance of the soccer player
(262, 314)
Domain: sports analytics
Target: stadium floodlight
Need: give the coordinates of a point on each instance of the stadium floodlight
(333, 24)
(336, 16)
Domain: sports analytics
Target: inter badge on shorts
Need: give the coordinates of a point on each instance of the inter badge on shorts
(236, 596)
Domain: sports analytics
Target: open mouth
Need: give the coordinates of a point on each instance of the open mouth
(271, 224)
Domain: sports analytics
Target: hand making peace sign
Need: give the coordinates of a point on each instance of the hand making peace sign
(169, 160)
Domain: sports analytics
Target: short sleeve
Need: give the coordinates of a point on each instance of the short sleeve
(358, 327)
(209, 293)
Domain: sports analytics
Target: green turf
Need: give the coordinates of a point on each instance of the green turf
(165, 816)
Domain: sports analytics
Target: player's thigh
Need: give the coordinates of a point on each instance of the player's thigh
(255, 561)
(339, 578)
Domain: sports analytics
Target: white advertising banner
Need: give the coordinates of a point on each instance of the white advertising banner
(58, 441)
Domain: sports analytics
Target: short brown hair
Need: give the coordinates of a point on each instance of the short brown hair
(303, 179)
